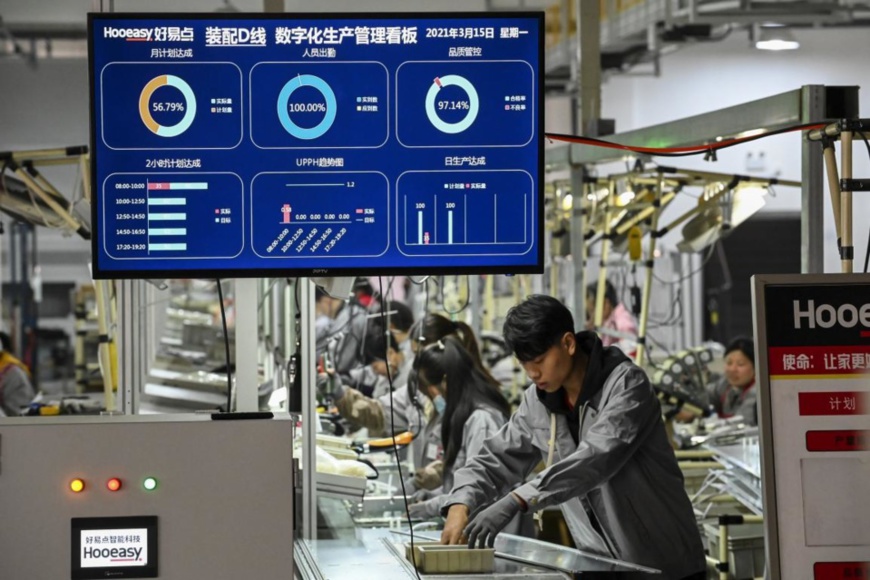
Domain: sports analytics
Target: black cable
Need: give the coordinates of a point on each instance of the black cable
(866, 142)
(393, 422)
(692, 273)
(226, 346)
(867, 253)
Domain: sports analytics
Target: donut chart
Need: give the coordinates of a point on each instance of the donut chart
(189, 106)
(473, 102)
(324, 89)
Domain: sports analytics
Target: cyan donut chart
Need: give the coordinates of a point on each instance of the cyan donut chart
(284, 100)
(189, 106)
(473, 104)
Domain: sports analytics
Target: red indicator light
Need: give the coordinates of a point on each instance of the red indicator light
(114, 484)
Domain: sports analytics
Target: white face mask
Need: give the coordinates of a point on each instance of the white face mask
(440, 404)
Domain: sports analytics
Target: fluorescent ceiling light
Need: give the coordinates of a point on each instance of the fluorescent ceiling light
(775, 38)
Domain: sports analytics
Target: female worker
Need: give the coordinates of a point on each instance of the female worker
(471, 410)
(735, 393)
(408, 408)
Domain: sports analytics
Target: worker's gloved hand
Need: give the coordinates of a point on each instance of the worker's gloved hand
(487, 524)
(421, 511)
(422, 495)
(329, 386)
(429, 476)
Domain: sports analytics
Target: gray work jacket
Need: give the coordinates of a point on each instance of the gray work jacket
(730, 401)
(480, 425)
(623, 473)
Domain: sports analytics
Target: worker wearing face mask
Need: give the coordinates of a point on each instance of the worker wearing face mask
(471, 410)
(409, 408)
(594, 418)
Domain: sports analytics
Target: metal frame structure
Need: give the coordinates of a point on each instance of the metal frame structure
(810, 103)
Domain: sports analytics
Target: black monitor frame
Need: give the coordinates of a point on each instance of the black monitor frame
(96, 239)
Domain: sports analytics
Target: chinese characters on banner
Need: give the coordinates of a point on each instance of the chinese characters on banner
(816, 338)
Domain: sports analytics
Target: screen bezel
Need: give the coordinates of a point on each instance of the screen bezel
(77, 525)
(536, 268)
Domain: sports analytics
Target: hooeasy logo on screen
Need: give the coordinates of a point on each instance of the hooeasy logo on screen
(141, 34)
(112, 553)
(828, 315)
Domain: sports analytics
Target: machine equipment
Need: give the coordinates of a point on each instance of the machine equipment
(173, 497)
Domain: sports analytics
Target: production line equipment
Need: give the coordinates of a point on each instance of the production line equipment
(173, 497)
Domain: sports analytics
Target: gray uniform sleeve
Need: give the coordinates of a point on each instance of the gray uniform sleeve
(401, 406)
(714, 393)
(625, 419)
(17, 391)
(480, 426)
(503, 461)
(748, 407)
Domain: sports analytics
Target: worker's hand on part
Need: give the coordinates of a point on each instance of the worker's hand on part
(429, 476)
(454, 526)
(684, 416)
(487, 524)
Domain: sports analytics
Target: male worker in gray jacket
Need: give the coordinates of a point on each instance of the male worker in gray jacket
(609, 463)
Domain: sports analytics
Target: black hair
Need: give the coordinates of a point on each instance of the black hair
(434, 327)
(5, 342)
(376, 342)
(609, 292)
(362, 285)
(745, 345)
(468, 390)
(536, 324)
(400, 315)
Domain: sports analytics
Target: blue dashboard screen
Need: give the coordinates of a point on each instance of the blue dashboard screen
(250, 145)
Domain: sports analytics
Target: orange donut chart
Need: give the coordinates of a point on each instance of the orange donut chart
(189, 109)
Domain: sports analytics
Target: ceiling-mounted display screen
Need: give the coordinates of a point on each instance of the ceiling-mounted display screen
(250, 145)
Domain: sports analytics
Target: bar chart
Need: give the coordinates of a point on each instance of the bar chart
(466, 213)
(166, 216)
(326, 214)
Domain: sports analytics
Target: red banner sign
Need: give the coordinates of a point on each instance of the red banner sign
(819, 360)
(845, 440)
(833, 403)
(841, 570)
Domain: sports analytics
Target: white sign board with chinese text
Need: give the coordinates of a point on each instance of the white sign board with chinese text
(813, 369)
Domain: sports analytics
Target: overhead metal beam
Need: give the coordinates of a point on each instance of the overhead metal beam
(770, 113)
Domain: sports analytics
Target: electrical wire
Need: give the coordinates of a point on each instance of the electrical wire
(693, 272)
(685, 151)
(393, 422)
(226, 346)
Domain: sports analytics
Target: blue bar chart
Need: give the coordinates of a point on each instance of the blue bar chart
(447, 213)
(166, 216)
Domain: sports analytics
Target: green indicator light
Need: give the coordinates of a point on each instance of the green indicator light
(150, 483)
